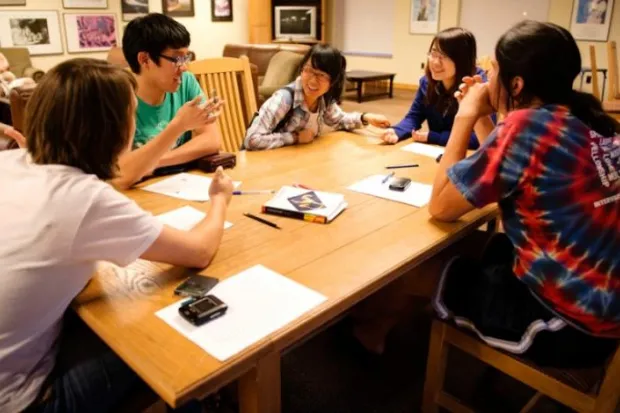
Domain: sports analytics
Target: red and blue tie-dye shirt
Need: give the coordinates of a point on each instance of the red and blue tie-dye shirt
(557, 183)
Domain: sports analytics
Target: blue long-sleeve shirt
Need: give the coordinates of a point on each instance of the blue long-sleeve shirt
(439, 125)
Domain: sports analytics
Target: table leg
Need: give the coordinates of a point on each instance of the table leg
(391, 87)
(259, 388)
(359, 91)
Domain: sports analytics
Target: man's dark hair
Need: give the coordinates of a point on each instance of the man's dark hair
(153, 34)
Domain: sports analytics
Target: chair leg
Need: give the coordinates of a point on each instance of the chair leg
(533, 401)
(435, 367)
(609, 393)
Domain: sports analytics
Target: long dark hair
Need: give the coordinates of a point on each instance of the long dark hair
(328, 59)
(547, 58)
(460, 46)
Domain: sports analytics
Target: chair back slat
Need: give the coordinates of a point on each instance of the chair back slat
(612, 67)
(232, 79)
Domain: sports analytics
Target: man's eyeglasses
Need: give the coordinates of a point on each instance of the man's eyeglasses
(320, 76)
(178, 60)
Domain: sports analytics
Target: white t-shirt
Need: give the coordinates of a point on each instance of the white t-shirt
(313, 123)
(55, 223)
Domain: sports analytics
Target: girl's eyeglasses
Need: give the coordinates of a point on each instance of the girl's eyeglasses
(438, 56)
(320, 76)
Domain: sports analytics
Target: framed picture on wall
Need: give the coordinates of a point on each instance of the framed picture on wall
(178, 8)
(85, 4)
(424, 17)
(134, 8)
(12, 2)
(90, 32)
(39, 31)
(221, 11)
(591, 19)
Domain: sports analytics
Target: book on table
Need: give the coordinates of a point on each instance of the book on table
(309, 205)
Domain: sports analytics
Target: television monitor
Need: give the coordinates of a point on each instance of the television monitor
(295, 22)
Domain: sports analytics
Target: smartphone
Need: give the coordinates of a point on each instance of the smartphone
(400, 184)
(202, 310)
(196, 286)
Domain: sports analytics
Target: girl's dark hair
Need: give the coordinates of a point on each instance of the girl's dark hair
(460, 46)
(547, 58)
(328, 59)
(80, 115)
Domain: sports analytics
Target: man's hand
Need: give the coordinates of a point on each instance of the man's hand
(221, 186)
(16, 136)
(194, 115)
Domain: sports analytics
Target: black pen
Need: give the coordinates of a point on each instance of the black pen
(412, 165)
(259, 219)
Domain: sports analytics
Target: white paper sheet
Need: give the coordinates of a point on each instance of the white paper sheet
(185, 186)
(259, 301)
(185, 218)
(424, 149)
(416, 194)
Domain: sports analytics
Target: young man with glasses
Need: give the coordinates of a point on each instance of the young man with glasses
(175, 124)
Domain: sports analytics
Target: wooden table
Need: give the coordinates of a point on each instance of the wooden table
(359, 77)
(372, 243)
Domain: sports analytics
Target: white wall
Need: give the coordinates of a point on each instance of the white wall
(410, 50)
(208, 38)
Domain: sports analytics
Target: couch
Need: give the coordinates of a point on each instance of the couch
(269, 76)
(20, 63)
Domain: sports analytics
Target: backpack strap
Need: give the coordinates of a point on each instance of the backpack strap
(289, 114)
(286, 117)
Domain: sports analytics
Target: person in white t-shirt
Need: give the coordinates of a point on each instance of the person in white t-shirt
(59, 217)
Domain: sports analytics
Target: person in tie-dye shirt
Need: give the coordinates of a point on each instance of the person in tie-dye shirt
(550, 286)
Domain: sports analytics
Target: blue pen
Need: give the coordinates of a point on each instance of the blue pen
(387, 177)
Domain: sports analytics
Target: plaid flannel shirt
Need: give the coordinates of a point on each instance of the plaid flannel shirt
(262, 134)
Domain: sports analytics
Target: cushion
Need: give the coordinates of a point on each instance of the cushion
(282, 69)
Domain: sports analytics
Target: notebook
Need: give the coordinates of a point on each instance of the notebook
(309, 205)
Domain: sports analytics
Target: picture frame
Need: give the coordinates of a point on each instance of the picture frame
(424, 18)
(85, 4)
(221, 10)
(91, 32)
(178, 8)
(38, 30)
(131, 9)
(591, 19)
(12, 2)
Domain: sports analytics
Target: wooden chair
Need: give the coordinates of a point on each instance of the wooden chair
(232, 79)
(595, 90)
(612, 104)
(573, 388)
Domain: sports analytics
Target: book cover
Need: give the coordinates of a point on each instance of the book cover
(308, 205)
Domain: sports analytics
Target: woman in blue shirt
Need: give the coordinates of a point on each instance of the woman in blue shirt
(451, 57)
